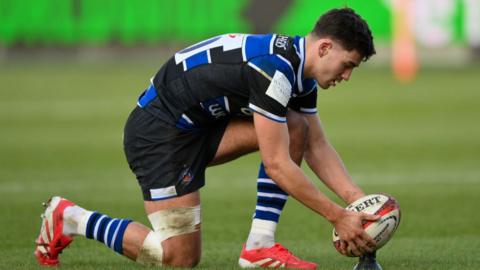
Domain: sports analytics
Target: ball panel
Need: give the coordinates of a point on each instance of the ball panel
(389, 205)
(368, 204)
(382, 230)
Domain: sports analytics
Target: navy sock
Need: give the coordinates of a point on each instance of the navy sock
(270, 198)
(107, 230)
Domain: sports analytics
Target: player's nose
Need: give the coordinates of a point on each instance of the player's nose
(346, 74)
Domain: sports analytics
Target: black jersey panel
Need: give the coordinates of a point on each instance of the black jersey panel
(305, 104)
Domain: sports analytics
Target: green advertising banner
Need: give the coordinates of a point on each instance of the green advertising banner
(69, 22)
(132, 22)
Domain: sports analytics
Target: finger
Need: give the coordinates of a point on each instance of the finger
(354, 249)
(359, 243)
(369, 241)
(343, 247)
(371, 246)
(363, 246)
(370, 217)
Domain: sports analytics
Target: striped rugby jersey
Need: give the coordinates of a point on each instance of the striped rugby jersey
(231, 75)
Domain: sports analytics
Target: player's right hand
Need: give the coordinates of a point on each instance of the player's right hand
(353, 237)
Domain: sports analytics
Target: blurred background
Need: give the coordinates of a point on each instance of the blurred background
(407, 122)
(443, 31)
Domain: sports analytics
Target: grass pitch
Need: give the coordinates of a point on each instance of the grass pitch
(61, 133)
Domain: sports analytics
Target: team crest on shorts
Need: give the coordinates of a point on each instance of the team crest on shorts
(186, 176)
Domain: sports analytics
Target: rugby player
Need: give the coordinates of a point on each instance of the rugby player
(209, 104)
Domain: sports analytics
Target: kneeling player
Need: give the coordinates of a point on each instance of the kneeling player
(209, 104)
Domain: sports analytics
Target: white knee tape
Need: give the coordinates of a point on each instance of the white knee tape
(175, 221)
(151, 252)
(166, 224)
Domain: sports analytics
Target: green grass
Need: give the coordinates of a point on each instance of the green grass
(61, 133)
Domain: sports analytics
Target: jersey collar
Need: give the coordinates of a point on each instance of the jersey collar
(299, 43)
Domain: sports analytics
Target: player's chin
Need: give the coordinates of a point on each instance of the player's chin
(324, 86)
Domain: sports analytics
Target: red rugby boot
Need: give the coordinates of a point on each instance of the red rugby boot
(273, 257)
(51, 240)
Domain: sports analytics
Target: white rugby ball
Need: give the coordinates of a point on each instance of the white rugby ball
(381, 230)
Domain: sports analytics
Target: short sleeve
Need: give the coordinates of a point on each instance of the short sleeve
(305, 103)
(270, 79)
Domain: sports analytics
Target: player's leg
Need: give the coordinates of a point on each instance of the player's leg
(158, 162)
(169, 164)
(176, 226)
(63, 220)
(270, 202)
(184, 247)
(238, 139)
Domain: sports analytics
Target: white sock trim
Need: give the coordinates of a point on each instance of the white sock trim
(265, 180)
(260, 226)
(272, 195)
(75, 220)
(268, 209)
(82, 223)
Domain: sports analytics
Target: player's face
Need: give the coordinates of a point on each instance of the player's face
(335, 64)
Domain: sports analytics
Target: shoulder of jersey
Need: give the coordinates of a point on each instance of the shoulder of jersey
(285, 46)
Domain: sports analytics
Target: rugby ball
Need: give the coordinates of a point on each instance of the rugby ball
(381, 230)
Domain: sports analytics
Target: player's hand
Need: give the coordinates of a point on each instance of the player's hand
(353, 237)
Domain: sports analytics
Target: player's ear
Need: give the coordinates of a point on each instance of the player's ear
(324, 46)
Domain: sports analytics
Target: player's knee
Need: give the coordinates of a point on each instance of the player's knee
(170, 252)
(151, 252)
(182, 250)
(182, 259)
(175, 239)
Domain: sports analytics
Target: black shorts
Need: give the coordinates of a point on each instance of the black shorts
(168, 162)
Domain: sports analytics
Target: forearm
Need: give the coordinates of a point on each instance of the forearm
(273, 139)
(293, 181)
(330, 169)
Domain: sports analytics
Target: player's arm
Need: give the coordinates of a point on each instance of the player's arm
(327, 164)
(273, 142)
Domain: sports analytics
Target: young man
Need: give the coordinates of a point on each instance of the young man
(209, 104)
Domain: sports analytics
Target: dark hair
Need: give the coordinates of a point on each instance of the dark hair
(347, 27)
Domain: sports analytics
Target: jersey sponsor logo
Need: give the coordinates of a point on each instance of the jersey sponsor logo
(216, 111)
(281, 42)
(217, 107)
(280, 88)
